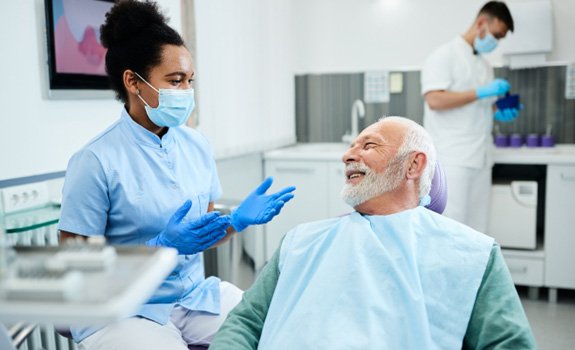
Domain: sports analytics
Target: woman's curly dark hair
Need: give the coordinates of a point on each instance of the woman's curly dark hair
(134, 34)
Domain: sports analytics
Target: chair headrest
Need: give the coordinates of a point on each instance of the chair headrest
(438, 192)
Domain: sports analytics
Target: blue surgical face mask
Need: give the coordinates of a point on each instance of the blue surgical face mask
(174, 107)
(485, 45)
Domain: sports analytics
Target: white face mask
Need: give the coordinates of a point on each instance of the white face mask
(174, 107)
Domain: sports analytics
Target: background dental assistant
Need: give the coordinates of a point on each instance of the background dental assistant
(460, 90)
(149, 180)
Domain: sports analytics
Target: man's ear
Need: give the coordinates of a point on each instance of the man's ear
(480, 22)
(416, 165)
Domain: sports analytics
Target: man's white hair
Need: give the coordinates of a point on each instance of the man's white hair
(417, 140)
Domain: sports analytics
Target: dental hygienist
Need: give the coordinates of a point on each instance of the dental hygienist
(150, 180)
(459, 89)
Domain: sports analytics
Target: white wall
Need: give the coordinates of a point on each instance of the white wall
(38, 135)
(245, 74)
(244, 69)
(563, 31)
(248, 52)
(359, 35)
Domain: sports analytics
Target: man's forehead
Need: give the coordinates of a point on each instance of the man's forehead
(384, 130)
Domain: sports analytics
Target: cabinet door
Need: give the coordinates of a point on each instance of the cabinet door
(560, 227)
(309, 203)
(336, 205)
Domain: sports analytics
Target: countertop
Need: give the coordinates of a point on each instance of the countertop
(309, 151)
(560, 154)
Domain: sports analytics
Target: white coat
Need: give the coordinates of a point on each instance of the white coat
(462, 135)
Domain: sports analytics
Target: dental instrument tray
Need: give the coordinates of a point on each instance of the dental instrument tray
(78, 285)
(83, 257)
(39, 283)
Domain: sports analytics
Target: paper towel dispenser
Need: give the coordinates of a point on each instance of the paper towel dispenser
(533, 35)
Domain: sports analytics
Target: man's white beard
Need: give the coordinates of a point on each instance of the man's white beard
(373, 184)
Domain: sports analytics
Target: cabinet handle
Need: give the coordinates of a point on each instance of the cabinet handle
(567, 177)
(295, 170)
(518, 269)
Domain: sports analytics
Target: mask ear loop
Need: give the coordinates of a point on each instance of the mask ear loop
(142, 99)
(487, 31)
(145, 81)
(150, 85)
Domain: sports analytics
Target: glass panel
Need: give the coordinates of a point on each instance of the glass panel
(31, 219)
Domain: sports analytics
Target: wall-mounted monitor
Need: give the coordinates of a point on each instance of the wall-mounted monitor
(76, 58)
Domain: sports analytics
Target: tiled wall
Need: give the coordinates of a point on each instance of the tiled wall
(323, 103)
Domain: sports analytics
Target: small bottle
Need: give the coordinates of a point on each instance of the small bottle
(532, 140)
(501, 140)
(547, 141)
(515, 140)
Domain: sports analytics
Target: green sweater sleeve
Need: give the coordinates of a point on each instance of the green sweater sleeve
(498, 321)
(243, 326)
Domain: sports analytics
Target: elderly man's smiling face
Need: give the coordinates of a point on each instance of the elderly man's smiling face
(372, 167)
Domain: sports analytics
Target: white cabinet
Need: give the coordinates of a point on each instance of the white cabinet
(560, 227)
(317, 195)
(526, 267)
(310, 180)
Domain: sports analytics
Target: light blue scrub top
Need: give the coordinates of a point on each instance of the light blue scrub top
(126, 184)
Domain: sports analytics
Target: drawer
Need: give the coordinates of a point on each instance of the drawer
(526, 271)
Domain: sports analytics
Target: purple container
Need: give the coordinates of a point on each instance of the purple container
(547, 141)
(515, 140)
(532, 140)
(501, 140)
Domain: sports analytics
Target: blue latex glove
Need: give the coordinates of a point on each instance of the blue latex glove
(495, 88)
(194, 236)
(259, 208)
(507, 115)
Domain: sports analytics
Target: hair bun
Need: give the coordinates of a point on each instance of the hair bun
(129, 19)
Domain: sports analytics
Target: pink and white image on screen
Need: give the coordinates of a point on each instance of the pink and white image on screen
(77, 36)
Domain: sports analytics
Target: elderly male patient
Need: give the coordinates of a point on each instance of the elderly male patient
(391, 275)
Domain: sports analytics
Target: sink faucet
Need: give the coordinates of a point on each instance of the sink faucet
(357, 109)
